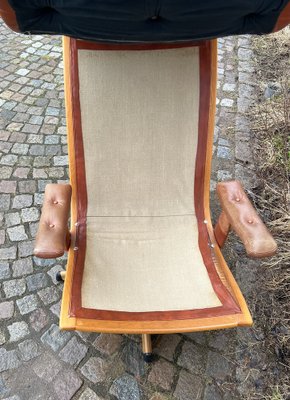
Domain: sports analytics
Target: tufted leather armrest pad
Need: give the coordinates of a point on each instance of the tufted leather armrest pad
(51, 238)
(245, 221)
(8, 15)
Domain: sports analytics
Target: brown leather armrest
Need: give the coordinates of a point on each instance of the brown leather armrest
(284, 18)
(8, 15)
(52, 236)
(245, 221)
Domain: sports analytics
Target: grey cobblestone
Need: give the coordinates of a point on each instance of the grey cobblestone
(28, 350)
(66, 384)
(17, 233)
(22, 267)
(73, 352)
(188, 387)
(6, 309)
(14, 287)
(125, 388)
(36, 281)
(17, 331)
(95, 369)
(55, 338)
(4, 271)
(27, 304)
(88, 394)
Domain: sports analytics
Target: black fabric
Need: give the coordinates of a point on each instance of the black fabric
(147, 20)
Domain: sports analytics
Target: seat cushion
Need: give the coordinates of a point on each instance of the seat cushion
(145, 264)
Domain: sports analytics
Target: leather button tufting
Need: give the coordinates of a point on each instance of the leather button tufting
(51, 225)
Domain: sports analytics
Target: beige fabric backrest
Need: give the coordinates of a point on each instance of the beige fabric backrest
(141, 130)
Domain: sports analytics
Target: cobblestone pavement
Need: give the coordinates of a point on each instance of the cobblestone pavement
(37, 361)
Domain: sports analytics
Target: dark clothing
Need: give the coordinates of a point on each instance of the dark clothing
(147, 20)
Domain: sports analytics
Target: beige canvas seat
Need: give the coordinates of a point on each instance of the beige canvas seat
(143, 255)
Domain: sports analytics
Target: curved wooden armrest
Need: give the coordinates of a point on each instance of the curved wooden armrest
(8, 15)
(244, 220)
(52, 238)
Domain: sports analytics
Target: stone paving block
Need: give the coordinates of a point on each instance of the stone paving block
(95, 369)
(162, 374)
(17, 233)
(25, 248)
(12, 219)
(108, 343)
(2, 237)
(49, 295)
(46, 367)
(8, 187)
(27, 304)
(133, 359)
(166, 346)
(55, 309)
(27, 186)
(36, 281)
(28, 349)
(22, 267)
(8, 253)
(22, 200)
(73, 352)
(125, 388)
(14, 287)
(198, 337)
(60, 160)
(6, 172)
(30, 214)
(55, 338)
(188, 387)
(220, 340)
(6, 309)
(66, 384)
(4, 270)
(218, 367)
(20, 148)
(192, 358)
(38, 319)
(88, 394)
(8, 360)
(4, 202)
(18, 331)
(21, 172)
(224, 152)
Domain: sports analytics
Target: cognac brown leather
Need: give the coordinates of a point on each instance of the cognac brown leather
(8, 15)
(222, 229)
(245, 221)
(284, 19)
(52, 236)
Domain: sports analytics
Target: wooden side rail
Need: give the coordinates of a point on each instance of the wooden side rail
(239, 214)
(53, 237)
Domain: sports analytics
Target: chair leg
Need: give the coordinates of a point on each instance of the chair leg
(147, 348)
(60, 276)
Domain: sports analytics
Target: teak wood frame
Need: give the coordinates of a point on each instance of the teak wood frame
(69, 318)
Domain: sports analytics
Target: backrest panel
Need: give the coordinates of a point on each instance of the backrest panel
(140, 140)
